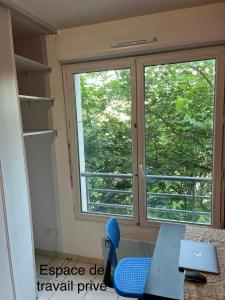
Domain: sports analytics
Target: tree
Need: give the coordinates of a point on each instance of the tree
(179, 103)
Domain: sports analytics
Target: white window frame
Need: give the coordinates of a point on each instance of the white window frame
(137, 64)
(176, 57)
(69, 90)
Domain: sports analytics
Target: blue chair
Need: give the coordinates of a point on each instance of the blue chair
(130, 274)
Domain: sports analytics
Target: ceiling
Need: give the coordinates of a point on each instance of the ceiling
(70, 13)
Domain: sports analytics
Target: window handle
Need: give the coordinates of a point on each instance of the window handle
(141, 170)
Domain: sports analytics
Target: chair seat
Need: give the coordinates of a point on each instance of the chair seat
(130, 276)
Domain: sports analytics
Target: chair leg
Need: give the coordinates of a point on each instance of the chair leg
(107, 276)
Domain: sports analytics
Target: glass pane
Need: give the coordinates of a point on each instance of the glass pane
(179, 108)
(103, 108)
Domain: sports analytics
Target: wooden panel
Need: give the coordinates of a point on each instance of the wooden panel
(30, 46)
(14, 170)
(175, 29)
(35, 116)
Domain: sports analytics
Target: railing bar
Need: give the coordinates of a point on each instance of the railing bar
(110, 191)
(179, 178)
(149, 193)
(149, 208)
(178, 211)
(110, 214)
(188, 197)
(178, 221)
(117, 175)
(110, 205)
(177, 195)
(193, 202)
(153, 177)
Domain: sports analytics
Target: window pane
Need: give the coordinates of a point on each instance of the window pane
(103, 106)
(179, 107)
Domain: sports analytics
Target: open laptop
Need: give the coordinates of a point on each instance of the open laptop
(198, 256)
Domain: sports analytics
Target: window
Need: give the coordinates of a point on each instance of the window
(143, 135)
(103, 114)
(179, 110)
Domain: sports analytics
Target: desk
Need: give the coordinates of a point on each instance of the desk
(215, 287)
(165, 281)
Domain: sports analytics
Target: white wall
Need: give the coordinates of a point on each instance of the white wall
(173, 29)
(77, 237)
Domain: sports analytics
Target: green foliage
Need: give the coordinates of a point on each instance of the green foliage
(106, 109)
(179, 102)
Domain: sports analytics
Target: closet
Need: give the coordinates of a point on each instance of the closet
(26, 145)
(39, 135)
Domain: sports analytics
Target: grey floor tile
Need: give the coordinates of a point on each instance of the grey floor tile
(68, 295)
(86, 278)
(88, 292)
(99, 295)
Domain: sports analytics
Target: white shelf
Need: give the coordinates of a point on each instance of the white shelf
(25, 98)
(24, 64)
(39, 132)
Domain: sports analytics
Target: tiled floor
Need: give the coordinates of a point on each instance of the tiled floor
(87, 294)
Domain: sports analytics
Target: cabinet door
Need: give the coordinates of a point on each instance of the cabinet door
(6, 282)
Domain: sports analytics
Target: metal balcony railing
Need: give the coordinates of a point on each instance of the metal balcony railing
(152, 209)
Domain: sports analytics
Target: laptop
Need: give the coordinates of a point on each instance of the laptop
(198, 256)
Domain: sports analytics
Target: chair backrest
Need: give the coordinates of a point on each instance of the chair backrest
(113, 232)
(113, 235)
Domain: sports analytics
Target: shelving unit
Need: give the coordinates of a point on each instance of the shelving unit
(39, 132)
(28, 69)
(25, 98)
(36, 108)
(24, 64)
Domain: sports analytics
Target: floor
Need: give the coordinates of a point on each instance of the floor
(87, 294)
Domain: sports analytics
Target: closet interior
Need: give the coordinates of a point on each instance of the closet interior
(39, 135)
